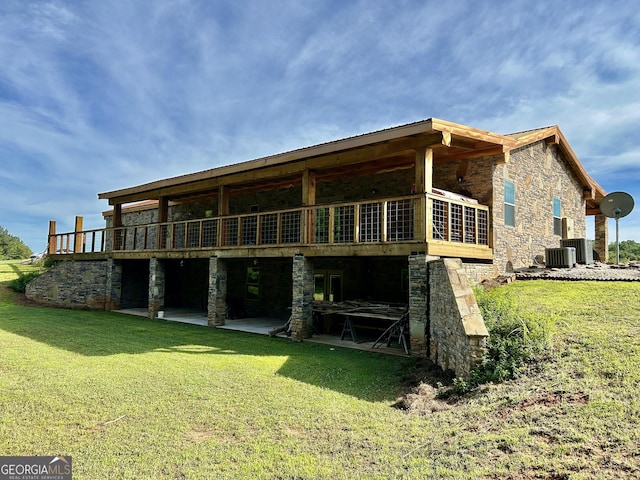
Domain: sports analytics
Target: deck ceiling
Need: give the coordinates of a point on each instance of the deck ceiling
(382, 151)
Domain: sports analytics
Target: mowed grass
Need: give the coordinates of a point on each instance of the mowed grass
(134, 398)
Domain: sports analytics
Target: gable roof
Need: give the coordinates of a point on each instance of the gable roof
(450, 142)
(594, 193)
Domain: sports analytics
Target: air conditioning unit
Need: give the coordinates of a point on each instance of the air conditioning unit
(584, 248)
(563, 257)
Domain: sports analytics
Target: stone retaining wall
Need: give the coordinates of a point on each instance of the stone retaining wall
(73, 284)
(445, 320)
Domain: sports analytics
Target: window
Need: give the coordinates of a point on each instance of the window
(509, 204)
(253, 283)
(557, 216)
(327, 286)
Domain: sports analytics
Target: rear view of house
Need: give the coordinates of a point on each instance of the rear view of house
(353, 219)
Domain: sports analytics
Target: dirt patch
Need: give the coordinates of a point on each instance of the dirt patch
(19, 298)
(425, 383)
(553, 399)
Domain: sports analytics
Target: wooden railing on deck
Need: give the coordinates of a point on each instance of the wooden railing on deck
(374, 221)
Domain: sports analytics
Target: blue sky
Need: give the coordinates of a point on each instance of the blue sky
(97, 96)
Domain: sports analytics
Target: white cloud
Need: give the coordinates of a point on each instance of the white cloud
(97, 96)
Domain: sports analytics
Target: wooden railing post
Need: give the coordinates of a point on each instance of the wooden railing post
(78, 238)
(53, 240)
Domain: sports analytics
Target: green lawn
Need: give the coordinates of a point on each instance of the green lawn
(131, 398)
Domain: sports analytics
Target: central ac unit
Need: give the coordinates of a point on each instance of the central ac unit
(563, 257)
(584, 248)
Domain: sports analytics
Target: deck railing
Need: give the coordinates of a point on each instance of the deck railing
(374, 221)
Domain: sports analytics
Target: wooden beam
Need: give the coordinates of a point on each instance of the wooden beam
(424, 170)
(308, 188)
(423, 184)
(223, 201)
(117, 215)
(589, 193)
(163, 210)
(462, 250)
(475, 154)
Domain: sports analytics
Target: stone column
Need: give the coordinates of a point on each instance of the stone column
(302, 298)
(217, 303)
(418, 304)
(113, 285)
(156, 286)
(601, 245)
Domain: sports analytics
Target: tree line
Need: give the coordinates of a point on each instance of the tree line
(11, 247)
(629, 251)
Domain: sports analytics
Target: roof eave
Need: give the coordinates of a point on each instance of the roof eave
(432, 125)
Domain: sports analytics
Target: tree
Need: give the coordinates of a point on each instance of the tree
(629, 251)
(11, 247)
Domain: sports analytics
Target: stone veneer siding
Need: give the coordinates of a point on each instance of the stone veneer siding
(113, 285)
(73, 284)
(444, 318)
(540, 173)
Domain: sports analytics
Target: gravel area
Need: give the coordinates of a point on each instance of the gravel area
(596, 271)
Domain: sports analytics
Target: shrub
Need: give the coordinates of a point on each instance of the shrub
(517, 339)
(20, 284)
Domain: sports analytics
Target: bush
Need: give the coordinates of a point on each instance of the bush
(20, 284)
(517, 339)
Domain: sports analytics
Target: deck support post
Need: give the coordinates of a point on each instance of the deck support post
(217, 302)
(302, 298)
(418, 304)
(156, 286)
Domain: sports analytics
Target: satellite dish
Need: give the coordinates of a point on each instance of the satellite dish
(617, 205)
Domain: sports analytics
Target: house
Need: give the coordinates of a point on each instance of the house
(357, 218)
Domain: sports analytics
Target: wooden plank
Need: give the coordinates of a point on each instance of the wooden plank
(462, 250)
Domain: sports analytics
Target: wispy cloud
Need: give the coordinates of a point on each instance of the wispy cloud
(96, 96)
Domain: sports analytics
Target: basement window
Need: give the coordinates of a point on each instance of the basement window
(509, 204)
(557, 216)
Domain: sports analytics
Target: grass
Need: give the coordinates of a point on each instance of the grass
(134, 398)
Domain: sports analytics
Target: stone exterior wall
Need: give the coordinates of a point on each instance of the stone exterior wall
(73, 284)
(540, 174)
(444, 319)
(113, 285)
(477, 272)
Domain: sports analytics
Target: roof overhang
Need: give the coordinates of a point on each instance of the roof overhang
(449, 141)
